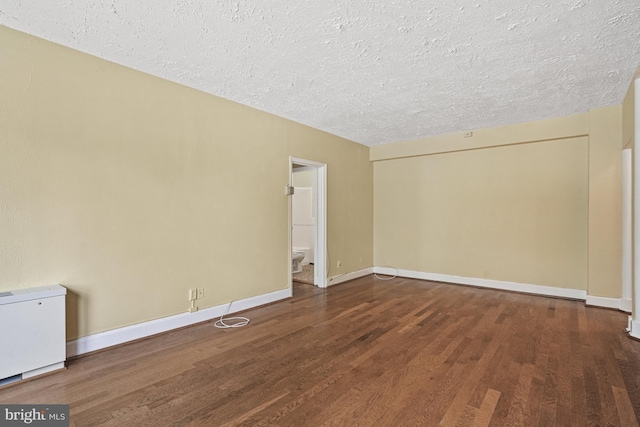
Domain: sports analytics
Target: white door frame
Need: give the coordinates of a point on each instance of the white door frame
(627, 230)
(634, 319)
(320, 265)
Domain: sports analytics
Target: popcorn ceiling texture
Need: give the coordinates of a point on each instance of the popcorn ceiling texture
(371, 71)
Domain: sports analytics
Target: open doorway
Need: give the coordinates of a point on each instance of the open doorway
(307, 222)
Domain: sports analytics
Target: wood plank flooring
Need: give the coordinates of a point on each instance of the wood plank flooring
(367, 353)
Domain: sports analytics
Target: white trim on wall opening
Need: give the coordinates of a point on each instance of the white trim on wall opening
(634, 320)
(627, 227)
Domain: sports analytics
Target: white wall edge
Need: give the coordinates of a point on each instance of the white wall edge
(627, 228)
(349, 276)
(634, 328)
(487, 283)
(141, 330)
(626, 305)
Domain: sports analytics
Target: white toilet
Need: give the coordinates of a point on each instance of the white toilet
(296, 261)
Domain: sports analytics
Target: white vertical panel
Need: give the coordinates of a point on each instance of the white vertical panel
(32, 332)
(634, 319)
(627, 226)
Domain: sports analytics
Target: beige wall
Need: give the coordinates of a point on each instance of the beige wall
(558, 128)
(514, 213)
(129, 189)
(628, 116)
(605, 202)
(536, 203)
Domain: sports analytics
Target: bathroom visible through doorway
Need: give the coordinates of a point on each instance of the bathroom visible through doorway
(307, 220)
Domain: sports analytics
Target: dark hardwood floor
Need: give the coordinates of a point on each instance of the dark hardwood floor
(367, 353)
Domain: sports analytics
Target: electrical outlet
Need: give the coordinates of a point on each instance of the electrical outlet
(193, 294)
(200, 293)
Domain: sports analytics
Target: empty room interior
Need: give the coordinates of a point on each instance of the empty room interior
(469, 183)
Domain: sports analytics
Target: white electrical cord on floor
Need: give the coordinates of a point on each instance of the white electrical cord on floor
(239, 320)
(389, 277)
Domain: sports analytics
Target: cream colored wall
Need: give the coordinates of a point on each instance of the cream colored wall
(628, 116)
(514, 213)
(129, 189)
(605, 202)
(562, 127)
(536, 203)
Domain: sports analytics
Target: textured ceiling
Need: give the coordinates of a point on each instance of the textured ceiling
(371, 71)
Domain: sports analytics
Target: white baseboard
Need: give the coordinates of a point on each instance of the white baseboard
(625, 305)
(487, 283)
(43, 370)
(615, 303)
(152, 327)
(349, 276)
(634, 328)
